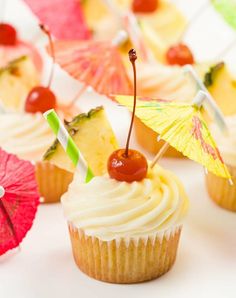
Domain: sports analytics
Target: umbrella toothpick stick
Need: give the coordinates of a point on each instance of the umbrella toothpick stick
(159, 155)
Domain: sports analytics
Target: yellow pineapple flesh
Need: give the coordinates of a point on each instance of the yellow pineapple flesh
(16, 80)
(94, 137)
(223, 89)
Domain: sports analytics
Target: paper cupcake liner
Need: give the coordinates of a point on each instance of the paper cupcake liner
(52, 181)
(220, 190)
(147, 138)
(125, 260)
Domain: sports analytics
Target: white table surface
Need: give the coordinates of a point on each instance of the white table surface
(206, 261)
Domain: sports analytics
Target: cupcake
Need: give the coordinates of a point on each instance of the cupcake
(12, 48)
(125, 225)
(159, 81)
(125, 232)
(28, 136)
(221, 191)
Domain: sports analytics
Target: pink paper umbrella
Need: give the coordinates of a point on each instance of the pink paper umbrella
(19, 199)
(95, 63)
(63, 17)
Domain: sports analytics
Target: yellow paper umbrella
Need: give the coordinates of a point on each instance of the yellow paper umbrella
(183, 127)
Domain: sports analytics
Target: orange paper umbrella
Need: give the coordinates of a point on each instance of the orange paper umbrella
(19, 199)
(183, 127)
(95, 63)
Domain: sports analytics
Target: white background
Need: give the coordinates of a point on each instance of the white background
(206, 262)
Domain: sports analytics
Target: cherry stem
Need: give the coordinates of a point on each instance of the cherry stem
(132, 58)
(47, 32)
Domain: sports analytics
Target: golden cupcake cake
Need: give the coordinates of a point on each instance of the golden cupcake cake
(220, 189)
(125, 232)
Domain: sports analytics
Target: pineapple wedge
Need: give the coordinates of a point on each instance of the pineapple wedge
(155, 42)
(222, 87)
(16, 80)
(94, 137)
(167, 21)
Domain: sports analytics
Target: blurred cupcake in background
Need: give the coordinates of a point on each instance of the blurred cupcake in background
(220, 189)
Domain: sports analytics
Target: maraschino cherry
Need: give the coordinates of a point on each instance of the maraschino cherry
(40, 98)
(179, 54)
(127, 164)
(144, 6)
(8, 35)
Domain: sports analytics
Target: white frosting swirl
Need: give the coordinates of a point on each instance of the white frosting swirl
(109, 209)
(165, 82)
(26, 135)
(226, 141)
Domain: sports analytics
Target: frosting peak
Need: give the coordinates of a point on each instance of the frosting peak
(110, 209)
(24, 134)
(161, 81)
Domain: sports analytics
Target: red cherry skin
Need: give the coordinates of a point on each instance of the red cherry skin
(144, 6)
(129, 169)
(40, 99)
(8, 35)
(179, 54)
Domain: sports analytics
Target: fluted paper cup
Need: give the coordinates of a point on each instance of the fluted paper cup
(52, 181)
(221, 191)
(125, 260)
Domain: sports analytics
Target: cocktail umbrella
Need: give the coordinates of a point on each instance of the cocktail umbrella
(183, 127)
(64, 18)
(95, 63)
(19, 199)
